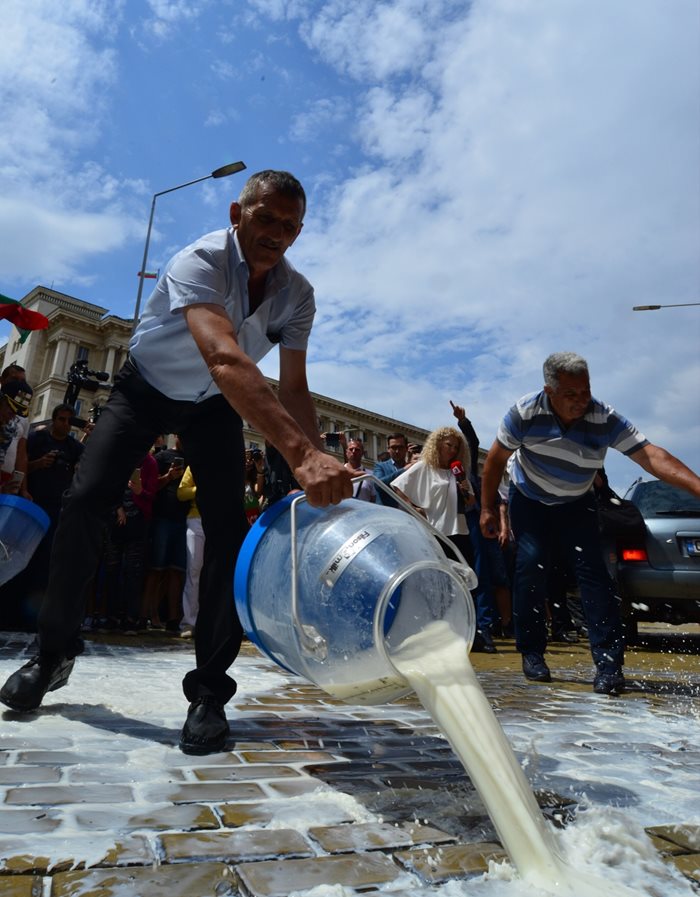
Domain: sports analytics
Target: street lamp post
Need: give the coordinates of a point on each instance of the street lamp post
(657, 307)
(222, 172)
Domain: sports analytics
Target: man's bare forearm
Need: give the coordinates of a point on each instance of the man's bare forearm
(665, 466)
(300, 405)
(492, 474)
(243, 385)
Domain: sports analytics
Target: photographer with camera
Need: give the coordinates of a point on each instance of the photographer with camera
(53, 456)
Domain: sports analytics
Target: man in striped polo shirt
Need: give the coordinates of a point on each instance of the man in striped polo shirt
(553, 442)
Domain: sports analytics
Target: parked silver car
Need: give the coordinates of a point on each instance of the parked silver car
(659, 576)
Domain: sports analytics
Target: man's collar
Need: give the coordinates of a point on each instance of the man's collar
(277, 277)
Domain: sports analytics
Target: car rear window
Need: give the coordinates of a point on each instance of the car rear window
(658, 497)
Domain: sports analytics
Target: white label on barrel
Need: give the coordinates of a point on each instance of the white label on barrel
(346, 553)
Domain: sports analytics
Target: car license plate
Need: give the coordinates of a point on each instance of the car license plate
(692, 546)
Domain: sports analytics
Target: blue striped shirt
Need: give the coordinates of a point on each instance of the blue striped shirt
(555, 464)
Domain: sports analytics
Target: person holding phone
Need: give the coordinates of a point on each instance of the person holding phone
(162, 594)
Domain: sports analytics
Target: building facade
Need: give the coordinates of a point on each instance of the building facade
(79, 331)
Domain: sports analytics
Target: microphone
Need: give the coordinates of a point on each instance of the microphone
(457, 469)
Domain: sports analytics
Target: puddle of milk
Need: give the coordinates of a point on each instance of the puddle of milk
(435, 663)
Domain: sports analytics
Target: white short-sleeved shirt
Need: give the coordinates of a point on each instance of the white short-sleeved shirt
(213, 270)
(434, 490)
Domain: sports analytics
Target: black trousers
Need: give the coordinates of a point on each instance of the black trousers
(212, 442)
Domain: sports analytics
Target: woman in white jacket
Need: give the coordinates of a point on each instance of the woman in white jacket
(438, 487)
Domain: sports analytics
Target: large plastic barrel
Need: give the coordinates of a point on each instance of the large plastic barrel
(22, 526)
(329, 593)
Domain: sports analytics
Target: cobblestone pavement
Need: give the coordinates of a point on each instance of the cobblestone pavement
(311, 792)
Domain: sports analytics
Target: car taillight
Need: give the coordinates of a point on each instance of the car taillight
(634, 554)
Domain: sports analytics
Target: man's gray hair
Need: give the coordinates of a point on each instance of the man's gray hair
(280, 181)
(563, 363)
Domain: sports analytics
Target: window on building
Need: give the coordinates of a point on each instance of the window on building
(82, 354)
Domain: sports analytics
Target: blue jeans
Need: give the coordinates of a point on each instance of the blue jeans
(574, 527)
(486, 613)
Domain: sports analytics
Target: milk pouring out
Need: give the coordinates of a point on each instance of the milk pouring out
(369, 608)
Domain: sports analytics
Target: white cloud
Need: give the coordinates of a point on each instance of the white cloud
(56, 69)
(371, 40)
(534, 175)
(318, 116)
(59, 241)
(494, 180)
(280, 10)
(215, 119)
(395, 127)
(44, 91)
(168, 15)
(224, 70)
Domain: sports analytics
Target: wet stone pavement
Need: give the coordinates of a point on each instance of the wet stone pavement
(97, 800)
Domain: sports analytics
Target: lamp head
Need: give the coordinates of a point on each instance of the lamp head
(226, 170)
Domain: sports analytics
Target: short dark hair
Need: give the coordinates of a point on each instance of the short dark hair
(281, 182)
(59, 409)
(396, 436)
(12, 368)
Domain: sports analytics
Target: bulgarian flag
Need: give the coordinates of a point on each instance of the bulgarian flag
(24, 320)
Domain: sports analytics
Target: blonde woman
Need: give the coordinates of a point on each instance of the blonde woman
(438, 487)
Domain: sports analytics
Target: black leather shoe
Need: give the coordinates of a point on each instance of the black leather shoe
(609, 682)
(206, 728)
(25, 689)
(483, 642)
(535, 668)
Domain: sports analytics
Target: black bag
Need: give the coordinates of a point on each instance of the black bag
(619, 520)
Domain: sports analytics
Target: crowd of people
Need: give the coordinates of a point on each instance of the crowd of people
(152, 554)
(219, 306)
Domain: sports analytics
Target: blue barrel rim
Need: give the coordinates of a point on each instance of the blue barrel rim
(244, 563)
(28, 507)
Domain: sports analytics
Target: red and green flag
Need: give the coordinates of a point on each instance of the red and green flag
(23, 318)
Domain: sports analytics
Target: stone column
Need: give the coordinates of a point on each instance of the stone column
(109, 362)
(60, 360)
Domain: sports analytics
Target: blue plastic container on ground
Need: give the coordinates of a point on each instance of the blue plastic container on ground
(22, 526)
(367, 577)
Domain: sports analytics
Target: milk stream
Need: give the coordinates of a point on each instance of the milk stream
(435, 663)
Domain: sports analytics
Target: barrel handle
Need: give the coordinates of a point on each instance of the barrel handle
(310, 639)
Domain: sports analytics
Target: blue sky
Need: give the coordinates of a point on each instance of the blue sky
(488, 182)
